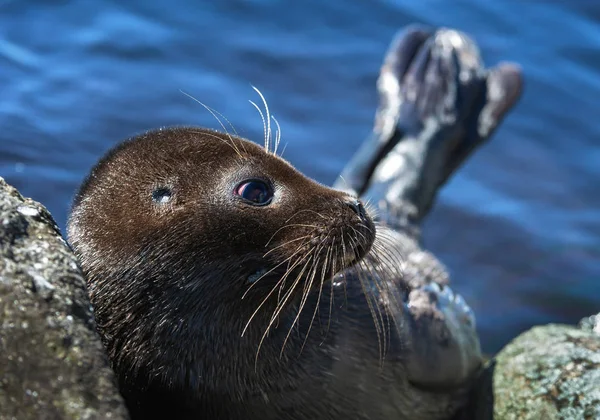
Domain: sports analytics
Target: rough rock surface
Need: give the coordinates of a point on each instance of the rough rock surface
(548, 372)
(52, 364)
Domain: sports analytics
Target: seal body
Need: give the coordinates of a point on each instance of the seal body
(228, 285)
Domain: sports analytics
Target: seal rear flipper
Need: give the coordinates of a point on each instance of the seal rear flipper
(448, 105)
(504, 86)
(399, 57)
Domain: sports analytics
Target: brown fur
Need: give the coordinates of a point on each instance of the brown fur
(191, 330)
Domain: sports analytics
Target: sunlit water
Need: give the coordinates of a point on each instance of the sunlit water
(518, 226)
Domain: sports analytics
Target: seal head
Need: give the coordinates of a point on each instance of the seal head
(201, 250)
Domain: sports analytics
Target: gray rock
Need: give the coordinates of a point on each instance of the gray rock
(52, 363)
(548, 372)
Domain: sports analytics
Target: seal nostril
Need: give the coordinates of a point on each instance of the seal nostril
(356, 207)
(361, 209)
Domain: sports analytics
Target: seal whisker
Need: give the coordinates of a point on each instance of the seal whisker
(305, 294)
(232, 127)
(375, 314)
(222, 140)
(328, 261)
(379, 269)
(380, 315)
(262, 117)
(288, 226)
(267, 118)
(370, 207)
(331, 288)
(358, 233)
(345, 182)
(344, 258)
(266, 298)
(285, 244)
(283, 151)
(386, 251)
(384, 289)
(298, 250)
(282, 304)
(230, 124)
(381, 256)
(319, 293)
(313, 254)
(299, 212)
(277, 135)
(209, 109)
(235, 132)
(374, 308)
(392, 261)
(289, 270)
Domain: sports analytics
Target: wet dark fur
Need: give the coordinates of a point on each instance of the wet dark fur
(169, 283)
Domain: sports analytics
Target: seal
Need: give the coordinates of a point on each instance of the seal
(195, 245)
(228, 285)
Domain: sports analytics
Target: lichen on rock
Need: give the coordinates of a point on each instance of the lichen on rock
(548, 372)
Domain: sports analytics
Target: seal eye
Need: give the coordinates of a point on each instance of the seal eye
(255, 191)
(161, 195)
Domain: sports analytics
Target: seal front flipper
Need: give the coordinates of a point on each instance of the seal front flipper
(444, 349)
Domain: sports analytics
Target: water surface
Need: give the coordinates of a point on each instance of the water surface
(518, 226)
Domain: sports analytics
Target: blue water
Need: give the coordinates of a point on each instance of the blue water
(518, 226)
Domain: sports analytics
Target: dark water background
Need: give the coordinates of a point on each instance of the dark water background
(518, 227)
